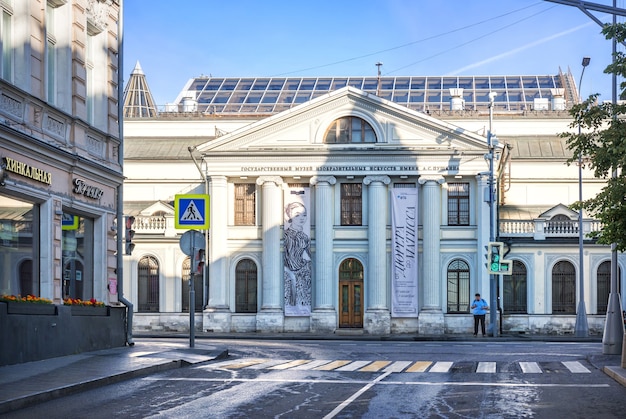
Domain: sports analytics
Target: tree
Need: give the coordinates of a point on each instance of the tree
(602, 139)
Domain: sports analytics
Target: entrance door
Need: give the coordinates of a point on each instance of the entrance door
(351, 294)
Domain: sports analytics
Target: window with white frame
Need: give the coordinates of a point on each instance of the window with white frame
(51, 54)
(6, 40)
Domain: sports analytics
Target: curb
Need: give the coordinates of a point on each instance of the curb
(616, 373)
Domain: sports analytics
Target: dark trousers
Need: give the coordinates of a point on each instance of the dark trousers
(479, 318)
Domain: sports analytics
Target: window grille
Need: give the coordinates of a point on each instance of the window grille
(458, 287)
(246, 287)
(351, 204)
(604, 285)
(458, 204)
(563, 288)
(515, 290)
(148, 284)
(349, 129)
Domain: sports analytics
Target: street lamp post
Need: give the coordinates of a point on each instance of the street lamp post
(581, 329)
(493, 289)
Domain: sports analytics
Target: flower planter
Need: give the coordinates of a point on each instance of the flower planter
(89, 311)
(31, 308)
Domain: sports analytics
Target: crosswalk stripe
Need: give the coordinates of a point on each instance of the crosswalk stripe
(291, 364)
(375, 366)
(419, 366)
(397, 366)
(244, 363)
(530, 368)
(231, 362)
(332, 365)
(268, 363)
(486, 367)
(353, 366)
(312, 364)
(575, 367)
(441, 366)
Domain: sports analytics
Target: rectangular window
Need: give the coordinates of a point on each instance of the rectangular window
(50, 57)
(90, 78)
(6, 40)
(351, 204)
(19, 250)
(245, 204)
(458, 204)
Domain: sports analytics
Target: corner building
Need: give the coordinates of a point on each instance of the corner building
(355, 211)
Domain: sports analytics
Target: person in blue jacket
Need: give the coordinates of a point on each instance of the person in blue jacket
(479, 309)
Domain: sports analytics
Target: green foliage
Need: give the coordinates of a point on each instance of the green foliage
(600, 136)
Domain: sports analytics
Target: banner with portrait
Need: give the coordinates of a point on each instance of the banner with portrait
(297, 264)
(404, 224)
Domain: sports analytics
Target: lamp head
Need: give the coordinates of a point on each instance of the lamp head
(586, 61)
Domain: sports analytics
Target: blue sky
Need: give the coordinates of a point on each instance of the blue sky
(176, 41)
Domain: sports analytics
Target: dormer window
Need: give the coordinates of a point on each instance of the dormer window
(349, 129)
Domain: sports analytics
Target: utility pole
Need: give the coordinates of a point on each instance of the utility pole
(493, 289)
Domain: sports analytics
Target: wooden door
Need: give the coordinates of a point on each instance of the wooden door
(351, 294)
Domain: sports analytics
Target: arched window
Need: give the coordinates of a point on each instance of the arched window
(197, 288)
(148, 284)
(515, 290)
(604, 285)
(349, 129)
(246, 287)
(563, 288)
(458, 287)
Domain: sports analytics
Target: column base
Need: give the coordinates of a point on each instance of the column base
(431, 322)
(323, 320)
(377, 322)
(216, 320)
(271, 320)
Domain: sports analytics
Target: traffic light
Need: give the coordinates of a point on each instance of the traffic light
(199, 262)
(495, 262)
(130, 233)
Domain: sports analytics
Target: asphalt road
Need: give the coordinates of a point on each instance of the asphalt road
(349, 379)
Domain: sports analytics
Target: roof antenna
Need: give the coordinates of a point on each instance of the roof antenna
(379, 65)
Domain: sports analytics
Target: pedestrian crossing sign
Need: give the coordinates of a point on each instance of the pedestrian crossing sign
(192, 211)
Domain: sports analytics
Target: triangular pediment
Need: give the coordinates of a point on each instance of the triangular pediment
(559, 210)
(158, 207)
(303, 128)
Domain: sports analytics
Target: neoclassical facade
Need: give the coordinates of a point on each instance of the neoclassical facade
(351, 211)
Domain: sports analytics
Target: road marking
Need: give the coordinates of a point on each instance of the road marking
(312, 364)
(530, 368)
(290, 364)
(244, 363)
(441, 366)
(352, 398)
(397, 366)
(575, 367)
(375, 366)
(353, 366)
(486, 367)
(267, 364)
(419, 366)
(332, 365)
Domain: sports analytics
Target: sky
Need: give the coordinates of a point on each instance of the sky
(177, 41)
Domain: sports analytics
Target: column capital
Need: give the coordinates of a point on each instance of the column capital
(217, 178)
(331, 180)
(277, 180)
(377, 178)
(431, 178)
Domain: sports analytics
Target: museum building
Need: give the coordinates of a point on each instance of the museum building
(359, 204)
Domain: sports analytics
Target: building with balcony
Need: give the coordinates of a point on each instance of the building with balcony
(359, 204)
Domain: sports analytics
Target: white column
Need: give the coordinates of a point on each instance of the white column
(217, 255)
(377, 316)
(431, 315)
(324, 315)
(217, 316)
(270, 317)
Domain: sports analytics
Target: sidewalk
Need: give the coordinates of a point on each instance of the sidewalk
(25, 384)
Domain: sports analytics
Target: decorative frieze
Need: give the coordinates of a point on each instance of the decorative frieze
(11, 106)
(54, 126)
(95, 146)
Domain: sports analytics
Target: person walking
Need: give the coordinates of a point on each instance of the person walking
(479, 309)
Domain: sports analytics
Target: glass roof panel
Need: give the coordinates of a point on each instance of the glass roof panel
(402, 83)
(307, 84)
(302, 97)
(230, 84)
(481, 82)
(433, 82)
(232, 108)
(245, 84)
(206, 97)
(386, 94)
(339, 83)
(401, 96)
(513, 82)
(286, 97)
(276, 84)
(292, 84)
(449, 83)
(418, 83)
(355, 82)
(530, 82)
(466, 82)
(270, 97)
(370, 84)
(386, 83)
(416, 97)
(260, 84)
(197, 84)
(238, 97)
(497, 82)
(546, 82)
(265, 108)
(214, 84)
(323, 84)
(221, 97)
(254, 97)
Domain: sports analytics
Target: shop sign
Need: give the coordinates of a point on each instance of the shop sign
(81, 188)
(23, 169)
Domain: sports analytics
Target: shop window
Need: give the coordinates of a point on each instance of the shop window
(245, 204)
(351, 204)
(458, 204)
(349, 129)
(246, 287)
(148, 283)
(515, 290)
(77, 259)
(563, 288)
(458, 287)
(19, 254)
(197, 288)
(604, 285)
